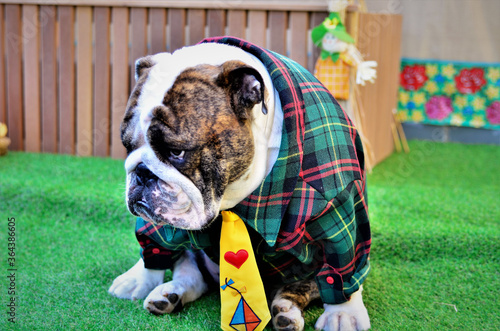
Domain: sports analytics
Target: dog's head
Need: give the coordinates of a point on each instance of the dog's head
(188, 136)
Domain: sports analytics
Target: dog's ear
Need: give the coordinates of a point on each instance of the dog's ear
(244, 85)
(142, 64)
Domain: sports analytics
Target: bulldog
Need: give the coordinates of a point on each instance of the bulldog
(227, 125)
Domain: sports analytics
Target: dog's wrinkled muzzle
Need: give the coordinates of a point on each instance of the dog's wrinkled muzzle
(165, 196)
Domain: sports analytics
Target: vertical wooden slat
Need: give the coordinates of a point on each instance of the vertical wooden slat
(49, 79)
(257, 25)
(385, 142)
(84, 137)
(383, 47)
(376, 110)
(316, 19)
(66, 86)
(277, 31)
(298, 29)
(177, 31)
(31, 77)
(368, 92)
(13, 52)
(216, 22)
(119, 76)
(101, 82)
(138, 38)
(237, 23)
(3, 110)
(393, 47)
(158, 22)
(196, 23)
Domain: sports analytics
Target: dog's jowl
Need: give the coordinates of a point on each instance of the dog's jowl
(227, 125)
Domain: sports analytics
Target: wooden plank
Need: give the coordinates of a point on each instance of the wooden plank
(277, 31)
(13, 53)
(84, 137)
(257, 25)
(3, 108)
(196, 23)
(49, 78)
(31, 78)
(237, 23)
(371, 98)
(299, 29)
(379, 113)
(101, 132)
(158, 22)
(138, 38)
(296, 5)
(392, 57)
(119, 77)
(216, 22)
(66, 86)
(177, 29)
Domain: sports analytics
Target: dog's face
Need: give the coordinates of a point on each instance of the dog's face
(187, 139)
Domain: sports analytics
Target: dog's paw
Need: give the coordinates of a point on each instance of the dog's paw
(165, 299)
(137, 282)
(348, 316)
(286, 315)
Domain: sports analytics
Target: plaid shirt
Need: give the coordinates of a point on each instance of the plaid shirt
(309, 217)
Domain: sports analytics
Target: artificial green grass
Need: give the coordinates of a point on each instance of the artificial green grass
(435, 217)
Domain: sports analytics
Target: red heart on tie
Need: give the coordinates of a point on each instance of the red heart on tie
(237, 259)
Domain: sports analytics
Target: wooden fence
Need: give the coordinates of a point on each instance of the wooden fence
(68, 70)
(66, 67)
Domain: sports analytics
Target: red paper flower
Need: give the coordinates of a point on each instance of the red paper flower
(470, 81)
(413, 77)
(493, 113)
(438, 107)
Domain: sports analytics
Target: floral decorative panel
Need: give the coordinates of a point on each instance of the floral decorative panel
(450, 93)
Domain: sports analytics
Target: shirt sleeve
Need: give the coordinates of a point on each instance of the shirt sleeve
(156, 251)
(162, 246)
(346, 243)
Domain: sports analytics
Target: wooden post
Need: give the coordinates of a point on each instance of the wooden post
(84, 135)
(66, 86)
(31, 78)
(119, 77)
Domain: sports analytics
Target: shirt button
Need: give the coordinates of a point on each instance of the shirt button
(156, 250)
(330, 280)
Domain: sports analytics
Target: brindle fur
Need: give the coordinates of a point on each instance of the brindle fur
(300, 294)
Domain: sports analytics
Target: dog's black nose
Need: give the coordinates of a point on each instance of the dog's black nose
(144, 174)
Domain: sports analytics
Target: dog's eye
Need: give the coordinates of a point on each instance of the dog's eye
(177, 154)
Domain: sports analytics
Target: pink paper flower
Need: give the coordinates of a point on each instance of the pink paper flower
(438, 107)
(413, 77)
(493, 113)
(470, 81)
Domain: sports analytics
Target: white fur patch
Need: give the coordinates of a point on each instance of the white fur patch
(351, 315)
(187, 283)
(289, 311)
(137, 282)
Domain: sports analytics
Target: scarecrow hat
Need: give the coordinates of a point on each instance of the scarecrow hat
(334, 25)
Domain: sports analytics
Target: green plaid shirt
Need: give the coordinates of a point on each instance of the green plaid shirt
(309, 217)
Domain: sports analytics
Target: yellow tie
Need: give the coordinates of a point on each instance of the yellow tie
(243, 299)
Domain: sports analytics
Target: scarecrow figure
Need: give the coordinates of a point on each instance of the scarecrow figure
(338, 54)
